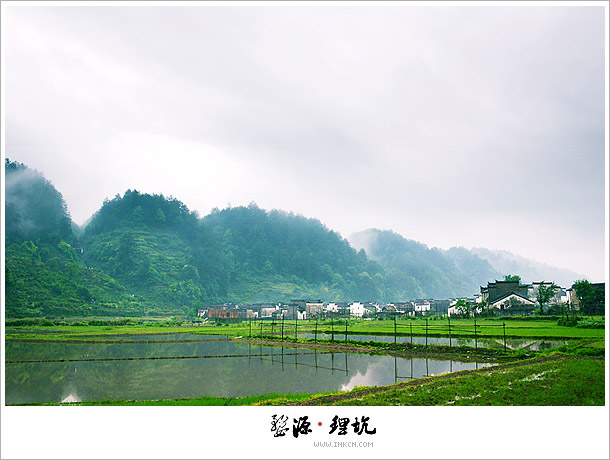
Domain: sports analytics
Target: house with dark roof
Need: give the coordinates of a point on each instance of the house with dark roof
(493, 291)
(508, 295)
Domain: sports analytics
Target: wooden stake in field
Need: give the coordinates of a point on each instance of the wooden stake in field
(504, 328)
(332, 330)
(394, 328)
(426, 331)
(449, 323)
(345, 331)
(282, 327)
(475, 334)
(315, 334)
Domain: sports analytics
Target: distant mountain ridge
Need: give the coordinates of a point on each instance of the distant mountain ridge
(413, 268)
(474, 267)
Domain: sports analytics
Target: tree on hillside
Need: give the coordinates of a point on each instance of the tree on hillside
(512, 278)
(544, 294)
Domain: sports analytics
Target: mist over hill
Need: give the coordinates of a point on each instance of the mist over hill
(34, 207)
(412, 267)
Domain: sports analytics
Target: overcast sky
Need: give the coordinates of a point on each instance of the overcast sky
(453, 126)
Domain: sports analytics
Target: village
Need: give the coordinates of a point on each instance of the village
(498, 298)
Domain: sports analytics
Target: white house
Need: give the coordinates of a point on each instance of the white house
(267, 312)
(421, 307)
(357, 309)
(512, 300)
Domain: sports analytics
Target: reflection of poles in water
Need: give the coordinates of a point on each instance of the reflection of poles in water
(260, 352)
(282, 359)
(345, 363)
(411, 367)
(427, 371)
(475, 335)
(296, 366)
(332, 362)
(395, 371)
(449, 324)
(476, 364)
(249, 351)
(315, 357)
(450, 365)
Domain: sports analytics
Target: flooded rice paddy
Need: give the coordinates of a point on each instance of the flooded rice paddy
(171, 366)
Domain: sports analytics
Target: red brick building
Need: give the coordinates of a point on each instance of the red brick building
(216, 315)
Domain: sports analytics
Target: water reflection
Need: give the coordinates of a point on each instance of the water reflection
(232, 369)
(511, 344)
(299, 358)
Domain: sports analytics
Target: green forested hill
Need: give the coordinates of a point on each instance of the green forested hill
(279, 255)
(159, 249)
(48, 280)
(44, 276)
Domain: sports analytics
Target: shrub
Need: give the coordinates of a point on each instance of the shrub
(569, 322)
(592, 324)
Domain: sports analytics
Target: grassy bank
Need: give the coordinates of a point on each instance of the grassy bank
(556, 381)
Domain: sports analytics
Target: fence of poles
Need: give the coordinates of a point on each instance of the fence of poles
(274, 327)
(448, 329)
